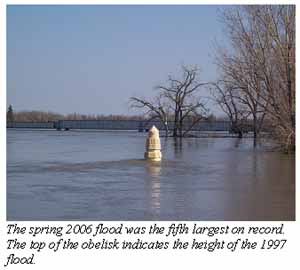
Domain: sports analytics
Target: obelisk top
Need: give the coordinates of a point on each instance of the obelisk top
(153, 131)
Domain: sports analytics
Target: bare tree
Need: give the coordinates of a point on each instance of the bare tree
(178, 102)
(158, 108)
(243, 87)
(261, 64)
(225, 96)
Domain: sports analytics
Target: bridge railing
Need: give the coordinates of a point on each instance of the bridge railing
(39, 125)
(119, 125)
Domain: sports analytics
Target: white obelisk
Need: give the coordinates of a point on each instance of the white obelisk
(153, 145)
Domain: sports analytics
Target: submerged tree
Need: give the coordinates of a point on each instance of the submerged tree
(261, 65)
(225, 96)
(157, 108)
(177, 102)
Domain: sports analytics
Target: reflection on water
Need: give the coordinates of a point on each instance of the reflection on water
(154, 170)
(238, 142)
(177, 147)
(54, 175)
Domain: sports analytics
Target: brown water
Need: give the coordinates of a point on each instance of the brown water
(92, 175)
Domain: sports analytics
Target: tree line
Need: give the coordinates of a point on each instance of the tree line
(42, 116)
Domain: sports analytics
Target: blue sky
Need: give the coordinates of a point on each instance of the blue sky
(91, 59)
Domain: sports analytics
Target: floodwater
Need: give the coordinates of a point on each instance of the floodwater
(101, 175)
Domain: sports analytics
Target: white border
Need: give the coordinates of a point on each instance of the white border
(286, 259)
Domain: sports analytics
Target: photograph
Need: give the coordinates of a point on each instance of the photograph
(150, 112)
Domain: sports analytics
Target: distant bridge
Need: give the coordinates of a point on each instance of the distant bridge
(138, 125)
